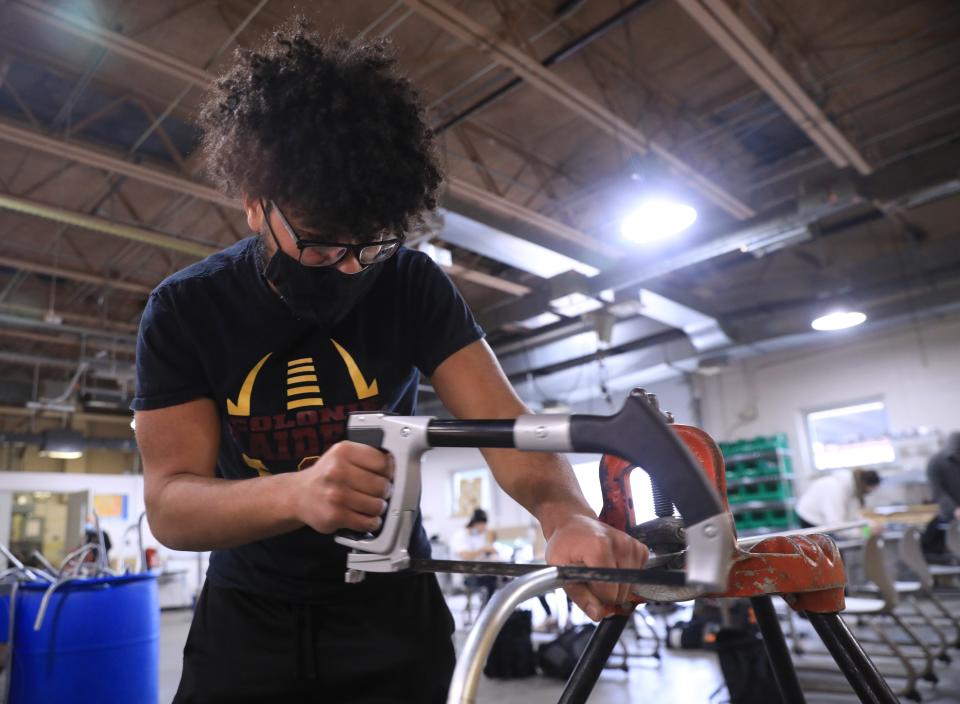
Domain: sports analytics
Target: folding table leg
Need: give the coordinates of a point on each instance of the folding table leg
(859, 670)
(591, 662)
(777, 652)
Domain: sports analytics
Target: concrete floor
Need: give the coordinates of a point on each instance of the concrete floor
(679, 677)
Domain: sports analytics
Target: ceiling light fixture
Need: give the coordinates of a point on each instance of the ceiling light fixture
(657, 219)
(838, 320)
(62, 445)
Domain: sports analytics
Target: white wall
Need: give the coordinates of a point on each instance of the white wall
(915, 370)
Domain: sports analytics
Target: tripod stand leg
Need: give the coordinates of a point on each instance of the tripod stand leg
(591, 663)
(859, 670)
(777, 651)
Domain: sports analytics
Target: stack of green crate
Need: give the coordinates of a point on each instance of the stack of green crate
(760, 483)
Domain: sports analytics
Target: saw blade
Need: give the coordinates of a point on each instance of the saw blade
(573, 573)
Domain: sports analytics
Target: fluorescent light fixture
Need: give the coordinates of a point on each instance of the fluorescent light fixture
(575, 304)
(657, 219)
(62, 454)
(539, 321)
(62, 445)
(838, 320)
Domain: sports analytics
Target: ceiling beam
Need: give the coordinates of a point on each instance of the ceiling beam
(460, 25)
(81, 416)
(114, 41)
(106, 327)
(152, 58)
(65, 341)
(719, 20)
(504, 207)
(109, 227)
(73, 275)
(101, 159)
(159, 239)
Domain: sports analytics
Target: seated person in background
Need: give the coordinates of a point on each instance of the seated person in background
(836, 498)
(91, 537)
(473, 543)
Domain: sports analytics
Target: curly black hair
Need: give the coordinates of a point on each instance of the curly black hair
(325, 127)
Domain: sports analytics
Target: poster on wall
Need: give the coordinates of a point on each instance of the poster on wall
(471, 490)
(110, 505)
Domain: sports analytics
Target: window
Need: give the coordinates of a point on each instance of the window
(850, 436)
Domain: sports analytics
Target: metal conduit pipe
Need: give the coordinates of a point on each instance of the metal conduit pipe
(97, 224)
(566, 51)
(466, 675)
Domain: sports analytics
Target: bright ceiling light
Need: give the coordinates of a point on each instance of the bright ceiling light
(838, 320)
(657, 219)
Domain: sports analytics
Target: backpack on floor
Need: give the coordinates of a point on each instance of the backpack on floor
(558, 657)
(511, 656)
(746, 668)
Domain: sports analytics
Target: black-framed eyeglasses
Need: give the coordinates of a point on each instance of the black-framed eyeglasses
(322, 254)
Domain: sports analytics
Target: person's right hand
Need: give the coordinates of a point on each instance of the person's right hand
(956, 513)
(346, 487)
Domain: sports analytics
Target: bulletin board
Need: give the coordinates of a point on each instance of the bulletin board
(111, 505)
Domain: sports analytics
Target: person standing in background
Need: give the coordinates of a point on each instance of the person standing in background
(943, 473)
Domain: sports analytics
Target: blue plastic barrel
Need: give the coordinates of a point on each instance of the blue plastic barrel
(4, 617)
(99, 642)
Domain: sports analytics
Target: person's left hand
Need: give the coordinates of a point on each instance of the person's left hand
(582, 540)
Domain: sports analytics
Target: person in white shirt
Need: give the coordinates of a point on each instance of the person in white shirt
(473, 543)
(836, 498)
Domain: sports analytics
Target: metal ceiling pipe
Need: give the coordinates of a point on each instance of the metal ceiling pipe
(114, 41)
(73, 275)
(719, 21)
(98, 224)
(458, 23)
(95, 365)
(118, 328)
(566, 51)
(102, 160)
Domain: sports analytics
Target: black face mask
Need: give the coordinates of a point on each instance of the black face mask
(321, 295)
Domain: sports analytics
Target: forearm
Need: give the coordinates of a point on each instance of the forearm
(189, 512)
(542, 483)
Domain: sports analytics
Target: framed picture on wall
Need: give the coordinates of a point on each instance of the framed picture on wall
(471, 490)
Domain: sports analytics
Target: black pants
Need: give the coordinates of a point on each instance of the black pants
(390, 647)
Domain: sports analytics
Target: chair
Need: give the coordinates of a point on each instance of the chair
(911, 552)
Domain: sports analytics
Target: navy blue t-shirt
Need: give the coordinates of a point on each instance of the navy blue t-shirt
(283, 387)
